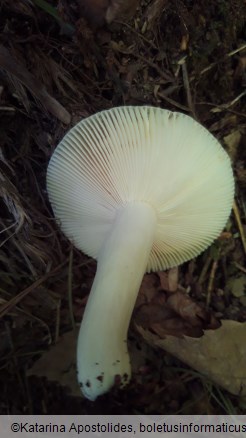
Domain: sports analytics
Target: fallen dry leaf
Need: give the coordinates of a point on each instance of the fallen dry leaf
(169, 279)
(175, 327)
(58, 364)
(186, 308)
(174, 313)
(219, 354)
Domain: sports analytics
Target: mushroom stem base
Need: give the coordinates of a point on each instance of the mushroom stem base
(102, 354)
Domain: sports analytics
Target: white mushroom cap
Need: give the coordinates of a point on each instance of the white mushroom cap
(148, 154)
(126, 155)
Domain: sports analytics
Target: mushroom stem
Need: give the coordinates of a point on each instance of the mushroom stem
(102, 354)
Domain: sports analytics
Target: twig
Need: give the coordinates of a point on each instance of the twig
(172, 102)
(7, 108)
(228, 55)
(70, 287)
(67, 28)
(28, 392)
(225, 106)
(58, 319)
(122, 23)
(204, 270)
(241, 268)
(14, 358)
(34, 318)
(187, 86)
(211, 282)
(162, 74)
(239, 224)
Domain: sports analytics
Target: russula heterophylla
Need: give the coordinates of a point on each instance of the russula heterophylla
(139, 189)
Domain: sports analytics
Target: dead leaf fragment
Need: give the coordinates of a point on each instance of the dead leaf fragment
(186, 308)
(173, 312)
(219, 354)
(169, 279)
(237, 286)
(232, 141)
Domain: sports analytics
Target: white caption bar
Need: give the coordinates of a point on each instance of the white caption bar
(123, 426)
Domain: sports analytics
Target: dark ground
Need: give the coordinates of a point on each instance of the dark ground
(180, 55)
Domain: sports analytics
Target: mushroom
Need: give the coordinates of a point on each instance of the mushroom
(140, 189)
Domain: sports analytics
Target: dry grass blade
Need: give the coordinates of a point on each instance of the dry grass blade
(16, 299)
(8, 63)
(70, 287)
(11, 198)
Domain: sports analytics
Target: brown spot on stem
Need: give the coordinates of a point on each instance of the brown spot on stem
(117, 380)
(100, 378)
